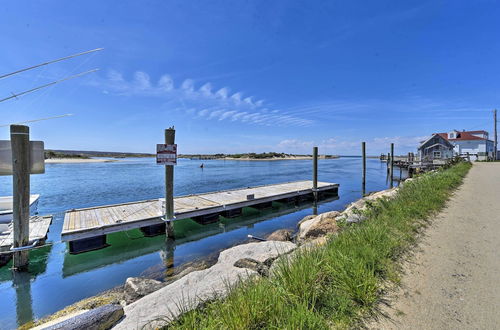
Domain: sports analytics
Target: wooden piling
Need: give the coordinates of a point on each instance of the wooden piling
(20, 144)
(392, 164)
(169, 187)
(363, 154)
(315, 172)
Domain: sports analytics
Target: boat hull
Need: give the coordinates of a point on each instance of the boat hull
(6, 208)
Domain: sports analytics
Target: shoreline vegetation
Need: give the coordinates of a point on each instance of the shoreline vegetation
(75, 156)
(255, 156)
(340, 283)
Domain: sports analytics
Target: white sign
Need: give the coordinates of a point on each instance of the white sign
(37, 159)
(166, 154)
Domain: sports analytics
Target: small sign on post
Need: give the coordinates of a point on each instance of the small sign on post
(166, 154)
(36, 158)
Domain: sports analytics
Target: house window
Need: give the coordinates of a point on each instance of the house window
(436, 154)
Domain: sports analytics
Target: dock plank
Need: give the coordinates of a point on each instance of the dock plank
(38, 226)
(94, 221)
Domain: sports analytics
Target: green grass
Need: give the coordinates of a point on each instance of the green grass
(340, 283)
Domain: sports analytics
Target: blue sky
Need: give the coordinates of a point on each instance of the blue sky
(252, 76)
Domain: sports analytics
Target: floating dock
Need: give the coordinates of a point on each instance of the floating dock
(86, 229)
(39, 226)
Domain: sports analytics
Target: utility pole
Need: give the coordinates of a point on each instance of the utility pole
(495, 151)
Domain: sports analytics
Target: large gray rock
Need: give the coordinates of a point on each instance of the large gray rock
(100, 318)
(354, 212)
(137, 287)
(160, 307)
(261, 251)
(252, 264)
(281, 235)
(318, 226)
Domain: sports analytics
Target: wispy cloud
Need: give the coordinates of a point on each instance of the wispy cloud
(204, 101)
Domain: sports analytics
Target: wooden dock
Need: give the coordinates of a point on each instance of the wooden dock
(39, 226)
(86, 228)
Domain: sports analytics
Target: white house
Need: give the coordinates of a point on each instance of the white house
(475, 143)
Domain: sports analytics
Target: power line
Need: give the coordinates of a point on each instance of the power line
(35, 120)
(50, 62)
(49, 84)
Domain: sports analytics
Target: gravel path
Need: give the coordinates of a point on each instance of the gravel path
(453, 279)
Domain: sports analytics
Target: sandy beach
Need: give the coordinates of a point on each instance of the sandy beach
(78, 160)
(277, 158)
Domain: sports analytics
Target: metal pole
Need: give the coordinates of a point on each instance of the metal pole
(363, 153)
(20, 144)
(392, 164)
(169, 186)
(315, 172)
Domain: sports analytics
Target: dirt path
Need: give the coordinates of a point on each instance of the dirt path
(453, 280)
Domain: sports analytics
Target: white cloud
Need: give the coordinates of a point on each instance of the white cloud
(166, 83)
(222, 93)
(206, 89)
(203, 112)
(115, 76)
(294, 144)
(227, 114)
(188, 85)
(201, 103)
(236, 97)
(142, 80)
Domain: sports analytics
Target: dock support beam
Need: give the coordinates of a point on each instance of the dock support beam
(20, 144)
(363, 154)
(169, 187)
(315, 173)
(392, 164)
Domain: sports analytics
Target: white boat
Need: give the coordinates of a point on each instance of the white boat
(6, 207)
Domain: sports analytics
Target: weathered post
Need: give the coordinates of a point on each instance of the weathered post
(388, 162)
(169, 187)
(315, 173)
(392, 164)
(20, 144)
(363, 154)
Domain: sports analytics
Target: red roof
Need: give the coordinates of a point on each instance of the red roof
(464, 136)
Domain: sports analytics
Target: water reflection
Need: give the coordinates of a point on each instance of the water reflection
(21, 281)
(129, 245)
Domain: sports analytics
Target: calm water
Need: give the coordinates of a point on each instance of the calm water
(57, 279)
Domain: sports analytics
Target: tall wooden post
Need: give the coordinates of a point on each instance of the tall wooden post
(20, 144)
(169, 187)
(363, 154)
(495, 144)
(392, 164)
(315, 172)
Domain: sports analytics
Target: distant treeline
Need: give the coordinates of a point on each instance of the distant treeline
(88, 154)
(250, 155)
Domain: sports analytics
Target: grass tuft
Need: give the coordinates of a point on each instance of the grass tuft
(336, 285)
